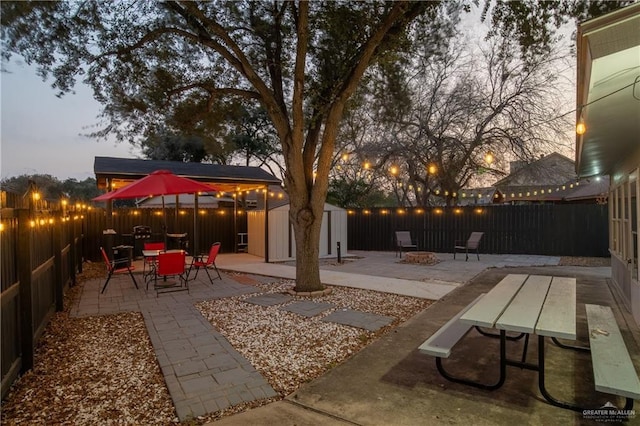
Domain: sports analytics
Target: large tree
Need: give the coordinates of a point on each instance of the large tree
(153, 64)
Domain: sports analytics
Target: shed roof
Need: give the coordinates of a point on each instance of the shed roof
(113, 172)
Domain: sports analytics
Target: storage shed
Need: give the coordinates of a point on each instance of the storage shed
(281, 238)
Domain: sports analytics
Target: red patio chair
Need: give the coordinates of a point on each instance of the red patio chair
(171, 264)
(199, 262)
(151, 260)
(117, 266)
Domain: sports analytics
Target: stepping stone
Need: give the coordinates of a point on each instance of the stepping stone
(307, 308)
(269, 299)
(371, 322)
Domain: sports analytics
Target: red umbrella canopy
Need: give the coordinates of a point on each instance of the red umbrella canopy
(160, 182)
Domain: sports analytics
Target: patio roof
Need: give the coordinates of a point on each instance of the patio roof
(112, 173)
(608, 51)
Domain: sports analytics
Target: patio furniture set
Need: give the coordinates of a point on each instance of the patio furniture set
(168, 270)
(404, 242)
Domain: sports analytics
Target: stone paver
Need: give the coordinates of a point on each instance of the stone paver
(307, 308)
(202, 371)
(365, 320)
(269, 299)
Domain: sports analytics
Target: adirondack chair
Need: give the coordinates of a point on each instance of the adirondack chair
(404, 242)
(471, 244)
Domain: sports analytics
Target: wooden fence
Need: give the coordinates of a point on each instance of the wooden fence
(214, 225)
(40, 255)
(543, 229)
(39, 258)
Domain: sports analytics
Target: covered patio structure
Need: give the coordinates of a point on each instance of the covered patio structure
(113, 173)
(608, 112)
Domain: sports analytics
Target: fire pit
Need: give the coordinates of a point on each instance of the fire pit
(421, 257)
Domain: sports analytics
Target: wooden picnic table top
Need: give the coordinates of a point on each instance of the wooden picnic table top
(523, 303)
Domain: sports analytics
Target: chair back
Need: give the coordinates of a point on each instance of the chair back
(403, 238)
(474, 240)
(154, 246)
(213, 253)
(106, 259)
(172, 263)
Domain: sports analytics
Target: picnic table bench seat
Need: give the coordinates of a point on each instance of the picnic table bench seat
(613, 369)
(443, 340)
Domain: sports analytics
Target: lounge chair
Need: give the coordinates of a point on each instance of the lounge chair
(471, 244)
(404, 242)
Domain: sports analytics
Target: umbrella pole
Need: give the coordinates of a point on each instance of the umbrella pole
(175, 216)
(164, 227)
(195, 225)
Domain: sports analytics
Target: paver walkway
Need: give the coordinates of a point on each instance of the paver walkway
(203, 372)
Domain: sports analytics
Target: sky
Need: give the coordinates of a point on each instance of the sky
(42, 134)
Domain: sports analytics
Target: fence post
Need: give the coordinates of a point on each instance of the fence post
(80, 257)
(24, 276)
(57, 265)
(73, 252)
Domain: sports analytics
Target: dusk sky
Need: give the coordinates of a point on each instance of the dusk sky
(42, 134)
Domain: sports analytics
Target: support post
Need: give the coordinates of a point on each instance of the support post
(24, 276)
(266, 225)
(57, 266)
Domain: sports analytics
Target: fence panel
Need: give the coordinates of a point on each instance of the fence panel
(551, 229)
(221, 224)
(39, 256)
(10, 339)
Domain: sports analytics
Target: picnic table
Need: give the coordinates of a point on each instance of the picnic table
(544, 306)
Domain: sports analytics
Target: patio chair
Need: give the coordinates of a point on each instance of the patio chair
(404, 242)
(117, 266)
(151, 260)
(199, 262)
(170, 265)
(471, 244)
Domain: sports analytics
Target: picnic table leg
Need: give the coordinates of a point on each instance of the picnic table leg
(541, 384)
(501, 378)
(565, 346)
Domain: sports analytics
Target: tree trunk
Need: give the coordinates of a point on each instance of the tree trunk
(307, 224)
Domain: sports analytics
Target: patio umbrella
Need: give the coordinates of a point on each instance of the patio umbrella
(160, 182)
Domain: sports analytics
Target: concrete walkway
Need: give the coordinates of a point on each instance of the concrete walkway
(385, 272)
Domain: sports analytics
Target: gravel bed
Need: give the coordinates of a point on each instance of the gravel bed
(103, 370)
(289, 349)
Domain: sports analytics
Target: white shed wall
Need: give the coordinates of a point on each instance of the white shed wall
(281, 240)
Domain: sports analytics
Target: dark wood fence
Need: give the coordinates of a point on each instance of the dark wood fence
(40, 259)
(40, 255)
(549, 229)
(214, 225)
